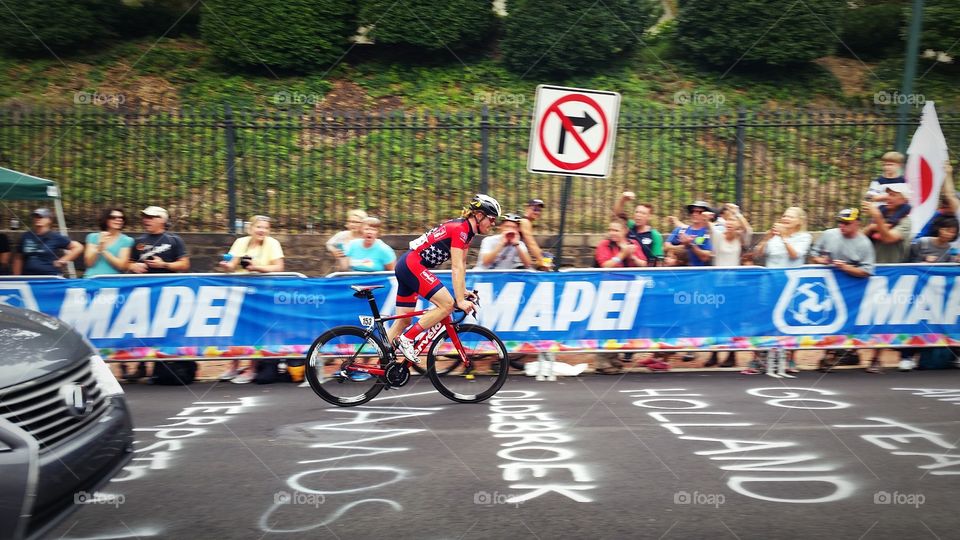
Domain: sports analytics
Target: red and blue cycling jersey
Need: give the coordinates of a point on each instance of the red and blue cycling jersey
(428, 251)
(434, 246)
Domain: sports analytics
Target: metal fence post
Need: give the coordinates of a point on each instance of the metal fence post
(231, 135)
(741, 134)
(484, 149)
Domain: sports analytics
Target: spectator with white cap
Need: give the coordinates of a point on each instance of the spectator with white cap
(890, 227)
(158, 251)
(38, 251)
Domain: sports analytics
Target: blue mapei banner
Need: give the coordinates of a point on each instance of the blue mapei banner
(662, 308)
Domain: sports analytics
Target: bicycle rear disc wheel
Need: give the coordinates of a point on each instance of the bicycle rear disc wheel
(488, 369)
(330, 353)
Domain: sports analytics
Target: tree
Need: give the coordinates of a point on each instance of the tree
(429, 24)
(939, 37)
(295, 35)
(758, 32)
(561, 37)
(31, 27)
(872, 30)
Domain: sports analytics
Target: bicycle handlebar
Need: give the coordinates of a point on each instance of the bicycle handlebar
(463, 314)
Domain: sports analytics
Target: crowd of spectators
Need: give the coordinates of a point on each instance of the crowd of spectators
(878, 230)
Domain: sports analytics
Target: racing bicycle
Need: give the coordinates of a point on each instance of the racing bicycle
(350, 365)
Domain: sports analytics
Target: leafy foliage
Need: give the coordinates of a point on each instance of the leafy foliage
(561, 37)
(940, 19)
(429, 24)
(295, 35)
(872, 31)
(757, 32)
(29, 27)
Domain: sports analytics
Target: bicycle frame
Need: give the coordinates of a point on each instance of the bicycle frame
(379, 328)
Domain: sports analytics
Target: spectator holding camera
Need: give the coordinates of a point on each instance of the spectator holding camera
(618, 251)
(728, 240)
(504, 251)
(368, 253)
(786, 244)
(256, 252)
(158, 251)
(639, 228)
(108, 251)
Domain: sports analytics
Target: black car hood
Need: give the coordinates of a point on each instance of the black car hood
(33, 344)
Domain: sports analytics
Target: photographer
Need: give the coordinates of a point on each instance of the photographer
(158, 251)
(504, 251)
(845, 247)
(258, 252)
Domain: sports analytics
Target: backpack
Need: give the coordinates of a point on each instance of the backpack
(180, 372)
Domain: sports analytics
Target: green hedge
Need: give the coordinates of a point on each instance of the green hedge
(429, 24)
(34, 27)
(561, 37)
(872, 31)
(758, 32)
(296, 35)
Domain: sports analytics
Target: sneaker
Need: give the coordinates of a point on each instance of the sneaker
(551, 378)
(750, 371)
(405, 346)
(304, 384)
(541, 377)
(229, 375)
(906, 364)
(874, 367)
(243, 378)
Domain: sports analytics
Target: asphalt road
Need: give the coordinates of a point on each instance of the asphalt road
(671, 455)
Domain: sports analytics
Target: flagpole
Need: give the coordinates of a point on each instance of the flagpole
(909, 72)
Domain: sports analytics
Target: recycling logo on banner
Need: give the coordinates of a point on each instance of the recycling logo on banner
(573, 131)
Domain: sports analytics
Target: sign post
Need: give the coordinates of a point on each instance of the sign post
(572, 134)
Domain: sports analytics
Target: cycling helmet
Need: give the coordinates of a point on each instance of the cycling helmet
(486, 204)
(511, 217)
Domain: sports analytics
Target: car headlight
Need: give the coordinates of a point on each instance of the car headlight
(105, 380)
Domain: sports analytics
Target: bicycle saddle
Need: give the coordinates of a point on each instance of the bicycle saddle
(364, 291)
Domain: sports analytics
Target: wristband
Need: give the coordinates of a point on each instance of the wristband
(618, 259)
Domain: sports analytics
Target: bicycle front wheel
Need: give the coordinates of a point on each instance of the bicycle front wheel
(328, 358)
(487, 371)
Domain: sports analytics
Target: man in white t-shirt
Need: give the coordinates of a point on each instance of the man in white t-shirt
(504, 251)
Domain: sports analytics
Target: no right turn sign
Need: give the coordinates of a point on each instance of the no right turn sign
(573, 131)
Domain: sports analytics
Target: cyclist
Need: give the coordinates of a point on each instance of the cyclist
(449, 240)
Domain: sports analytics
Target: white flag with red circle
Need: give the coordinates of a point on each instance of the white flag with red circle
(925, 160)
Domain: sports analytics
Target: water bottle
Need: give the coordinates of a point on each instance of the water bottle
(227, 257)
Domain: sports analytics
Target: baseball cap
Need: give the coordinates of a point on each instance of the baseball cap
(42, 212)
(535, 202)
(155, 211)
(848, 215)
(901, 188)
(699, 204)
